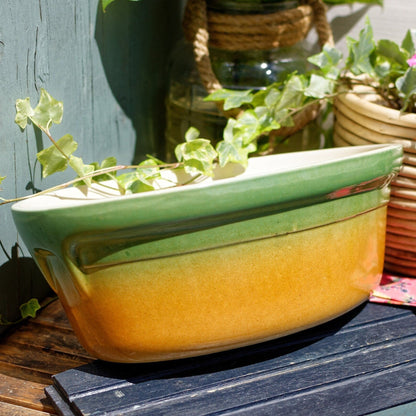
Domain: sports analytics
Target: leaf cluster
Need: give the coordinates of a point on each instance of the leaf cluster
(383, 65)
(267, 110)
(196, 155)
(60, 154)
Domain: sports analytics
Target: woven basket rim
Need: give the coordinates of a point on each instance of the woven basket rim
(361, 102)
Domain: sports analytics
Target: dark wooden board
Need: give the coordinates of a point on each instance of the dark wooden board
(360, 363)
(30, 353)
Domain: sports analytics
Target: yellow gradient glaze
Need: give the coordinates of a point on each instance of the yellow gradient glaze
(216, 299)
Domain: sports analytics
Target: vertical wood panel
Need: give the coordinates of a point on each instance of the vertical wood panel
(110, 72)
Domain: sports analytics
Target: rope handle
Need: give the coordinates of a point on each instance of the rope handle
(249, 31)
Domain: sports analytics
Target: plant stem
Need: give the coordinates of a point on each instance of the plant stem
(90, 175)
(46, 131)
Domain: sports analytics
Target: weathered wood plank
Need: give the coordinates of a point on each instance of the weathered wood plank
(53, 316)
(24, 393)
(408, 409)
(40, 347)
(51, 341)
(29, 355)
(37, 360)
(13, 410)
(50, 331)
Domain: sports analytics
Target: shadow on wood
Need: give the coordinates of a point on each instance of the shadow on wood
(20, 279)
(135, 40)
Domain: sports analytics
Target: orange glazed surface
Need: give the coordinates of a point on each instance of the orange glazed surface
(216, 299)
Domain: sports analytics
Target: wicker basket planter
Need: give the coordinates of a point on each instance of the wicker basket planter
(363, 119)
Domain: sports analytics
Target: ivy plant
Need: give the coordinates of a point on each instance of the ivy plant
(389, 68)
(196, 155)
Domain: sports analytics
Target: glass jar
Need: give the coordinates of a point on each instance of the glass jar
(235, 69)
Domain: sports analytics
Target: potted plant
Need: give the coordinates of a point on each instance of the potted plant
(211, 256)
(171, 261)
(195, 156)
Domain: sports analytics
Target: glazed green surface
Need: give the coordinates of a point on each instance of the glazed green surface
(91, 250)
(168, 212)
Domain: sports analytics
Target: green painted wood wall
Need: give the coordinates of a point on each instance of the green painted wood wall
(110, 72)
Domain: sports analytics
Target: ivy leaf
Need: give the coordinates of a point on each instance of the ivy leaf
(319, 87)
(266, 120)
(284, 117)
(247, 128)
(155, 159)
(272, 97)
(106, 3)
(29, 308)
(149, 169)
(141, 179)
(292, 94)
(360, 51)
(134, 182)
(23, 111)
(260, 97)
(81, 169)
(139, 186)
(391, 51)
(191, 134)
(47, 111)
(197, 154)
(231, 98)
(109, 162)
(232, 148)
(407, 86)
(409, 42)
(234, 152)
(327, 61)
(53, 160)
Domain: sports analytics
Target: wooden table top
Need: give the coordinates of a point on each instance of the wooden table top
(29, 355)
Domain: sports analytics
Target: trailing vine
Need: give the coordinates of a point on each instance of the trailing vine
(389, 68)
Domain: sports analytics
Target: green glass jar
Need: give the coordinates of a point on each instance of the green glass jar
(235, 69)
